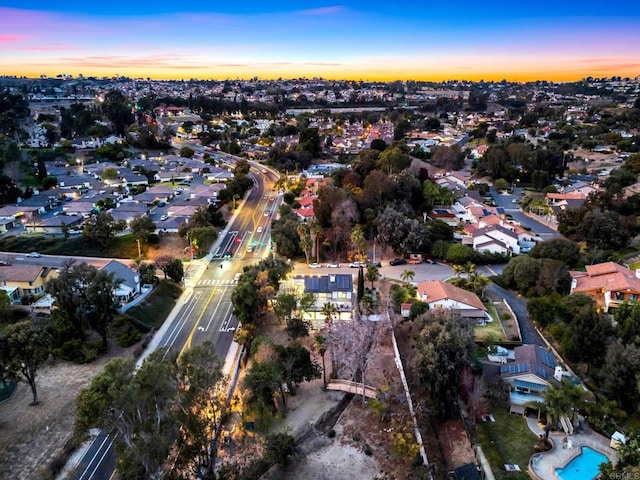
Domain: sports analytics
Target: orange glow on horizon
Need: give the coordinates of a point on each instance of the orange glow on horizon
(552, 75)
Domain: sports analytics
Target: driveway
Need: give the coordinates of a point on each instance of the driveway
(519, 307)
(505, 200)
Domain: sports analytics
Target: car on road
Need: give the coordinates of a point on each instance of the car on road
(428, 260)
(164, 217)
(397, 261)
(33, 254)
(259, 230)
(266, 214)
(236, 277)
(315, 265)
(333, 265)
(249, 249)
(264, 170)
(227, 255)
(357, 264)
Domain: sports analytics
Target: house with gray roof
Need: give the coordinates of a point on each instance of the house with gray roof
(128, 280)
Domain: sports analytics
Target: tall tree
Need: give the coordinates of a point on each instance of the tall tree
(373, 274)
(141, 227)
(27, 347)
(201, 405)
(138, 407)
(296, 364)
(444, 348)
(102, 228)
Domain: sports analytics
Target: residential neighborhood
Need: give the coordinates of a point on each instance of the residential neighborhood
(471, 247)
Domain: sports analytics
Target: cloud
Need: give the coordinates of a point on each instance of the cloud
(11, 38)
(323, 11)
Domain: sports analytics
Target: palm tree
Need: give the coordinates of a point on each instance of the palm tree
(373, 274)
(320, 345)
(559, 401)
(469, 268)
(329, 310)
(306, 244)
(303, 232)
(408, 275)
(458, 270)
(316, 232)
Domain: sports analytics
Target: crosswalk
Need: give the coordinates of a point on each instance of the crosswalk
(216, 283)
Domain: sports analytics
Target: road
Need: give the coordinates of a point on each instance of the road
(206, 312)
(505, 200)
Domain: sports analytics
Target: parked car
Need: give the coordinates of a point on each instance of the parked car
(33, 254)
(315, 265)
(397, 261)
(333, 265)
(357, 264)
(428, 260)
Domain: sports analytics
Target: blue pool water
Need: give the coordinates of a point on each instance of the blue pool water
(583, 467)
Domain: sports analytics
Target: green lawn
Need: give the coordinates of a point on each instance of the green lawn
(156, 307)
(491, 330)
(507, 440)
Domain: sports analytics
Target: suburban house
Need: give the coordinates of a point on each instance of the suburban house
(128, 280)
(173, 175)
(79, 207)
(444, 296)
(335, 289)
(155, 194)
(54, 225)
(496, 239)
(533, 370)
(306, 208)
(217, 174)
(23, 280)
(14, 212)
(609, 284)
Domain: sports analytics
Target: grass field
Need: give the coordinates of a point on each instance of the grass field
(507, 440)
(154, 310)
(491, 331)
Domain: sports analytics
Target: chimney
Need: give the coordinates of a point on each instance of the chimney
(557, 374)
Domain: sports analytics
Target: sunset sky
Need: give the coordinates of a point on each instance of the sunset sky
(368, 40)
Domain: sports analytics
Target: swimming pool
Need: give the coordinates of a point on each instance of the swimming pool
(583, 467)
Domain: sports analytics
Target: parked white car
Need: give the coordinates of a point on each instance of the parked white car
(315, 265)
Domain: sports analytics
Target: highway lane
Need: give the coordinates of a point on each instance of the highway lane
(207, 311)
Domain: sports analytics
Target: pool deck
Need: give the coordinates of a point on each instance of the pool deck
(545, 464)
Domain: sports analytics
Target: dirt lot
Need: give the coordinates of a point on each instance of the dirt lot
(30, 437)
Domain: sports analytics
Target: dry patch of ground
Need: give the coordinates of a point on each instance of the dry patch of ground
(31, 437)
